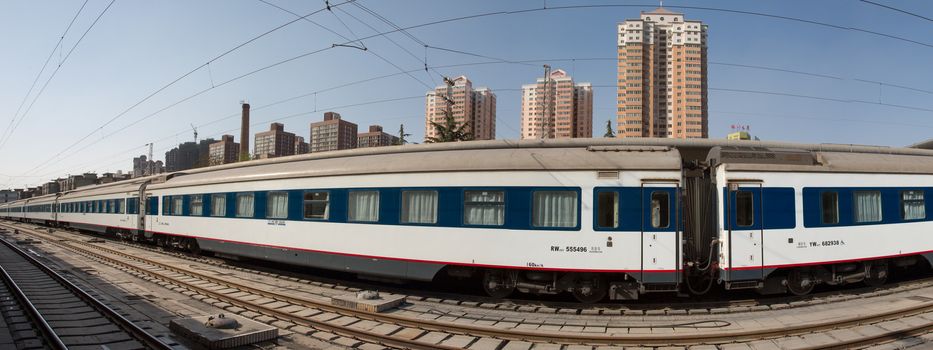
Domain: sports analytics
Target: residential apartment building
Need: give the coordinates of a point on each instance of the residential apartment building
(274, 143)
(332, 134)
(662, 77)
(375, 138)
(224, 151)
(557, 108)
(474, 106)
(301, 147)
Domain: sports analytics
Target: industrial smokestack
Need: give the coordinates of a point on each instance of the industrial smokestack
(244, 133)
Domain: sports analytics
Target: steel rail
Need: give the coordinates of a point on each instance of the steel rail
(510, 334)
(48, 334)
(137, 333)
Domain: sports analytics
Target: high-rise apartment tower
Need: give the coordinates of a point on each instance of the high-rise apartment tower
(557, 108)
(474, 106)
(662, 77)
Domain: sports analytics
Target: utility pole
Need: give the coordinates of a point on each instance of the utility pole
(150, 152)
(545, 116)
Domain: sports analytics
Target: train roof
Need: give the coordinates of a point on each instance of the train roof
(467, 156)
(802, 160)
(562, 154)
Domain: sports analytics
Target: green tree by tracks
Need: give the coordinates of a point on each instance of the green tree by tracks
(449, 131)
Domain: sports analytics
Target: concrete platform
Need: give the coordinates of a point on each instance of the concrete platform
(378, 304)
(248, 332)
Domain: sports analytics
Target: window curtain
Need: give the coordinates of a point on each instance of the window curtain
(197, 207)
(244, 205)
(913, 205)
(277, 205)
(867, 206)
(419, 207)
(364, 206)
(484, 208)
(219, 205)
(178, 206)
(555, 209)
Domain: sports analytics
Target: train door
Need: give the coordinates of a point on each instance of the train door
(660, 233)
(743, 220)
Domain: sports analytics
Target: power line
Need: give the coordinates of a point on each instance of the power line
(44, 65)
(54, 72)
(496, 13)
(185, 75)
(898, 10)
(348, 39)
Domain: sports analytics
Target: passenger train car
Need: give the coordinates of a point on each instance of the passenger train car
(591, 217)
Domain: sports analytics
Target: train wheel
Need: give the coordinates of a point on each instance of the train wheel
(589, 288)
(499, 283)
(800, 282)
(877, 274)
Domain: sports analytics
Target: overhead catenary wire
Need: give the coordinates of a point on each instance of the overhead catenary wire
(185, 75)
(52, 75)
(530, 10)
(48, 59)
(898, 10)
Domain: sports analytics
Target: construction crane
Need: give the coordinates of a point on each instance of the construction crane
(195, 133)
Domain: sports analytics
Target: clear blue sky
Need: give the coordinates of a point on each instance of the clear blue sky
(138, 47)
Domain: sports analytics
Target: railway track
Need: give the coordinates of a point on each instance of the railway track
(48, 311)
(403, 331)
(677, 306)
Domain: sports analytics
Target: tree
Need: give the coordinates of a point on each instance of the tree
(609, 132)
(401, 135)
(450, 131)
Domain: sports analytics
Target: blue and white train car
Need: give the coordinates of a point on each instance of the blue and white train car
(794, 219)
(542, 218)
(109, 208)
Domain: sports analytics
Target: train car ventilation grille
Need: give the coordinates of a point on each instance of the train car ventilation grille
(607, 174)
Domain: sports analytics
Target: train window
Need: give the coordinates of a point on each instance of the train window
(912, 205)
(196, 207)
(166, 207)
(277, 205)
(316, 205)
(484, 208)
(244, 205)
(660, 210)
(607, 209)
(867, 206)
(829, 202)
(363, 206)
(218, 205)
(419, 207)
(178, 205)
(744, 208)
(554, 209)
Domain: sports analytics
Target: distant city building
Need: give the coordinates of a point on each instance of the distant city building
(145, 167)
(739, 135)
(332, 134)
(9, 195)
(375, 138)
(188, 155)
(182, 157)
(474, 106)
(112, 177)
(662, 77)
(561, 110)
(224, 151)
(274, 143)
(76, 181)
(50, 187)
(301, 147)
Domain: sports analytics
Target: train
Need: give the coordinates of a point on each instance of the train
(597, 218)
